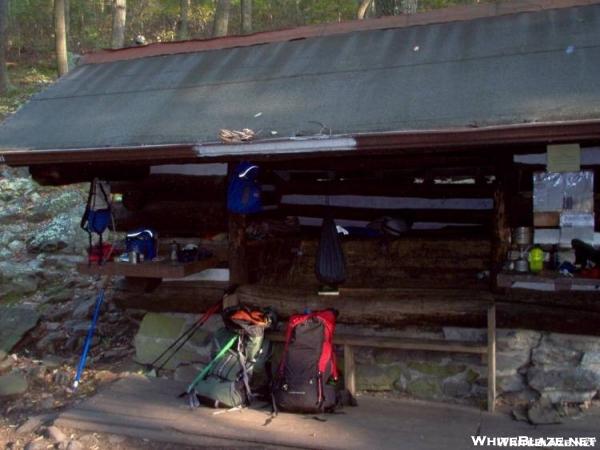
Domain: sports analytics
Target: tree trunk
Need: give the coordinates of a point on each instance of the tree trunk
(118, 25)
(61, 37)
(182, 26)
(68, 18)
(409, 6)
(384, 7)
(363, 8)
(4, 83)
(246, 6)
(221, 22)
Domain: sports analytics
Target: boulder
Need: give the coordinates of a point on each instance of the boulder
(578, 343)
(591, 360)
(159, 331)
(60, 232)
(457, 386)
(543, 412)
(551, 354)
(13, 383)
(14, 323)
(84, 309)
(55, 434)
(377, 378)
(568, 379)
(425, 388)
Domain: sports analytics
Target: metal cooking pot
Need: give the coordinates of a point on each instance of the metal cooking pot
(523, 236)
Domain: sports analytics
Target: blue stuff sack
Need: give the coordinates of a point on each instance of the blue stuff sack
(142, 241)
(243, 192)
(97, 221)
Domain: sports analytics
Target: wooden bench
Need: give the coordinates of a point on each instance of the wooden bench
(351, 341)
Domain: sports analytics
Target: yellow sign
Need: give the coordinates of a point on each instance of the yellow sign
(564, 158)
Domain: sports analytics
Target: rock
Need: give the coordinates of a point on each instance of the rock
(14, 323)
(377, 378)
(55, 434)
(435, 369)
(6, 365)
(511, 383)
(75, 445)
(591, 360)
(551, 354)
(60, 296)
(424, 388)
(13, 383)
(115, 439)
(32, 424)
(456, 386)
(577, 343)
(558, 397)
(84, 309)
(543, 413)
(520, 415)
(571, 379)
(48, 342)
(158, 331)
(506, 339)
(187, 373)
(36, 445)
(16, 246)
(508, 362)
(55, 235)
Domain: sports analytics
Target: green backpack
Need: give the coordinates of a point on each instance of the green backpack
(239, 350)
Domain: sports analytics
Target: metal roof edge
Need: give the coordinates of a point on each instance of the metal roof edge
(551, 132)
(450, 14)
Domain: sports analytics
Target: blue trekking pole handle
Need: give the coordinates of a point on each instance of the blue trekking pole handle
(90, 334)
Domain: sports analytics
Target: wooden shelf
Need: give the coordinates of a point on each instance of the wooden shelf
(163, 269)
(546, 281)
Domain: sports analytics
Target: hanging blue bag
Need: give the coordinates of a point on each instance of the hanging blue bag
(243, 192)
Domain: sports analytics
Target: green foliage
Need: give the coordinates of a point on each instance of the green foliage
(26, 81)
(89, 22)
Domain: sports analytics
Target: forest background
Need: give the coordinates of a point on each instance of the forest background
(42, 39)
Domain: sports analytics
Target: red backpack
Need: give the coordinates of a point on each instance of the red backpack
(303, 382)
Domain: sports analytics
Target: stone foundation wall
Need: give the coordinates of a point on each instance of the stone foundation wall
(531, 366)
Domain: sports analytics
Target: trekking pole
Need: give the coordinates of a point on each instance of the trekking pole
(181, 340)
(90, 334)
(207, 369)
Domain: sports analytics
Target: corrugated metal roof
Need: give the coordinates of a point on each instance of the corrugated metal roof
(523, 68)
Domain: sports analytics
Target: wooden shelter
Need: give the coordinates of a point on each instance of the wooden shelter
(417, 117)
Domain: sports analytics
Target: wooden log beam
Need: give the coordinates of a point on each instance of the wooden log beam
(174, 219)
(475, 216)
(388, 188)
(58, 175)
(161, 187)
(168, 296)
(389, 307)
(437, 307)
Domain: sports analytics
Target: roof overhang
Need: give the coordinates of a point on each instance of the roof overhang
(356, 145)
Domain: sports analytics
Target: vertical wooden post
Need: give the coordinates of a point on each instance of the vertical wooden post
(491, 342)
(500, 220)
(349, 370)
(238, 264)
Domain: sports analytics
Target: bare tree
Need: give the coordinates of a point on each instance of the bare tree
(4, 83)
(183, 24)
(409, 6)
(60, 34)
(221, 23)
(363, 8)
(119, 14)
(246, 6)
